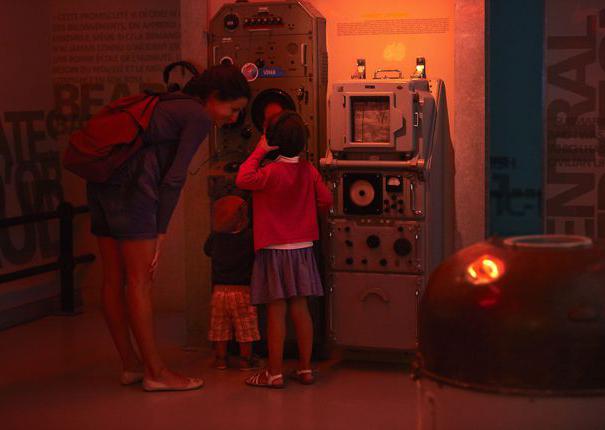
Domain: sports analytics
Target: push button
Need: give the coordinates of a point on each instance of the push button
(373, 241)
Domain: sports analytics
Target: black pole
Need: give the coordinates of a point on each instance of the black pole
(28, 273)
(39, 270)
(43, 216)
(66, 263)
(66, 257)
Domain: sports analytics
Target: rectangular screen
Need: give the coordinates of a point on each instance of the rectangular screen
(370, 119)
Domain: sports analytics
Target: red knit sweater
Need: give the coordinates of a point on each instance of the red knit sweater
(285, 200)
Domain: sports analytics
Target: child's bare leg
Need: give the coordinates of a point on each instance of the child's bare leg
(246, 361)
(276, 333)
(220, 355)
(220, 350)
(303, 325)
(245, 349)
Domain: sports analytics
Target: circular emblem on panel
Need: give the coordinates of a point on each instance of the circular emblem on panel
(250, 71)
(362, 193)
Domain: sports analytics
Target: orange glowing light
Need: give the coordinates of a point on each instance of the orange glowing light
(485, 270)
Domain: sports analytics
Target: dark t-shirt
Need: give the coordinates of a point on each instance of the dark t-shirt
(232, 257)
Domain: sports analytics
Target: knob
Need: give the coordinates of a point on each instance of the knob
(383, 262)
(402, 247)
(364, 261)
(231, 22)
(246, 133)
(349, 261)
(349, 243)
(373, 241)
(260, 63)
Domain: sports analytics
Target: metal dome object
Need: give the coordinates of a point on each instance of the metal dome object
(524, 315)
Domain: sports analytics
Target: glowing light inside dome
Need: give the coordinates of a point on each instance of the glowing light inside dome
(485, 270)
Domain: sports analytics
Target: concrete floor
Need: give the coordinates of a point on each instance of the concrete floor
(61, 373)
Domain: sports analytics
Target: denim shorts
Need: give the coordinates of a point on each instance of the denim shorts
(121, 212)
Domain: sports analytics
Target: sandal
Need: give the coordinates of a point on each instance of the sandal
(264, 379)
(304, 376)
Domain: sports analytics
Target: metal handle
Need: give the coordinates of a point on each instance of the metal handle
(303, 54)
(416, 165)
(330, 281)
(331, 236)
(416, 248)
(374, 292)
(417, 212)
(377, 72)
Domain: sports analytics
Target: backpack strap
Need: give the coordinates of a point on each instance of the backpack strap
(177, 95)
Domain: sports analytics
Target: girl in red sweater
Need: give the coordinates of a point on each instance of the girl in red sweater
(286, 197)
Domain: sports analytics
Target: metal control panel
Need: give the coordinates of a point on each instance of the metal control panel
(393, 195)
(387, 229)
(370, 245)
(281, 49)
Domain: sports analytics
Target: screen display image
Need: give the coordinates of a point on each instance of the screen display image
(370, 119)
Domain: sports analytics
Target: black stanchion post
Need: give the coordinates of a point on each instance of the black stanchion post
(66, 258)
(66, 263)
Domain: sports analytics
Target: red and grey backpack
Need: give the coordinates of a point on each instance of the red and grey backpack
(109, 138)
(115, 133)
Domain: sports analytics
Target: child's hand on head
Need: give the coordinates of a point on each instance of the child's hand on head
(262, 143)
